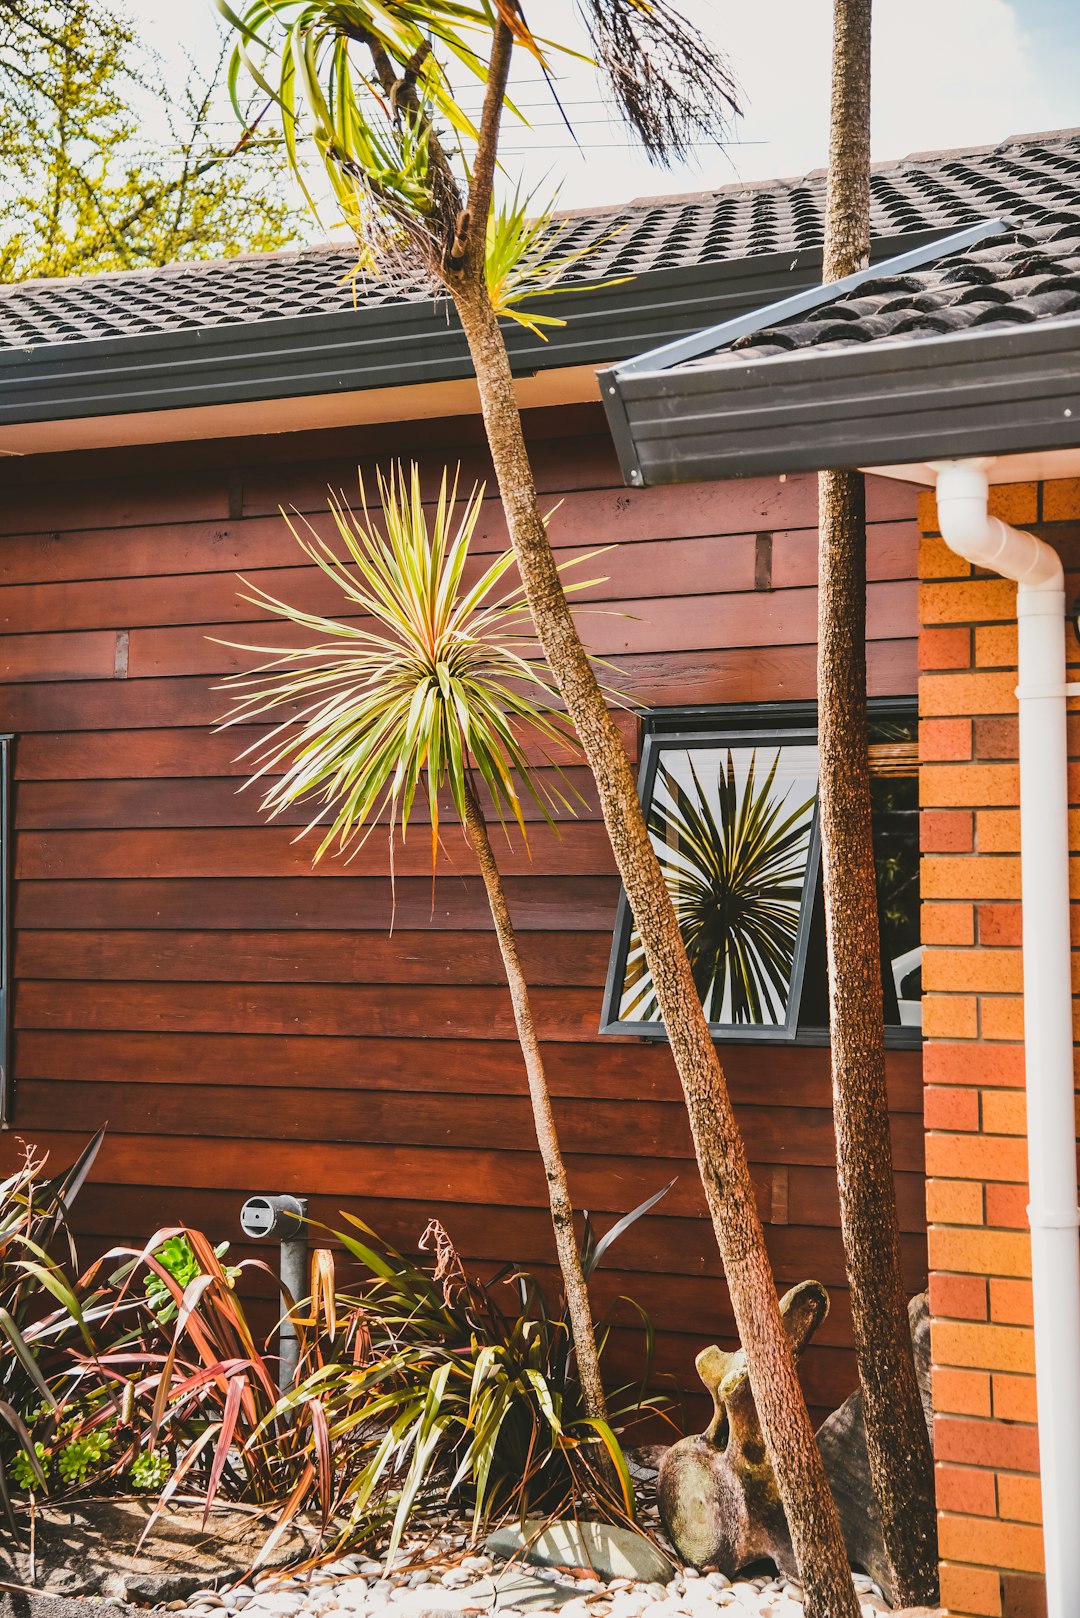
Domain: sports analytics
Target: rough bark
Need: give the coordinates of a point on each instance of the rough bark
(562, 1212)
(901, 1461)
(718, 1144)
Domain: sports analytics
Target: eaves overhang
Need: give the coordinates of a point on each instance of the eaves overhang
(696, 410)
(930, 398)
(393, 345)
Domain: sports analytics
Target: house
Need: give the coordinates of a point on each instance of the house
(957, 370)
(245, 1024)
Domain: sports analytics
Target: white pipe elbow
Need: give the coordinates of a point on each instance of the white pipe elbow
(985, 541)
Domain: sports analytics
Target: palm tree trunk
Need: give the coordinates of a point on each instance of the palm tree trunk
(901, 1461)
(721, 1156)
(562, 1212)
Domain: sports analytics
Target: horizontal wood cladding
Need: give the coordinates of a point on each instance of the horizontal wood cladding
(246, 1023)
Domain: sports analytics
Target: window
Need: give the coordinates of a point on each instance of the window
(730, 796)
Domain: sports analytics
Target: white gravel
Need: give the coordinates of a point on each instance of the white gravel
(444, 1574)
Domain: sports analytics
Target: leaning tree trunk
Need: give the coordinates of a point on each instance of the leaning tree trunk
(901, 1462)
(562, 1212)
(721, 1156)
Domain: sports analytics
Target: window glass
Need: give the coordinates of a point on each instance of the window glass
(731, 805)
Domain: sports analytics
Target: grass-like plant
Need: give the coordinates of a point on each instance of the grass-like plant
(430, 686)
(735, 861)
(41, 1314)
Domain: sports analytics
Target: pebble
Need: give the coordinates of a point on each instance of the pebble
(439, 1571)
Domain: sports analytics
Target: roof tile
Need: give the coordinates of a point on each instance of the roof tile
(1033, 180)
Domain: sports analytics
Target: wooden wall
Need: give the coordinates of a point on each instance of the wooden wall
(245, 1024)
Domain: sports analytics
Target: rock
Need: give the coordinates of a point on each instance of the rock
(718, 1497)
(609, 1552)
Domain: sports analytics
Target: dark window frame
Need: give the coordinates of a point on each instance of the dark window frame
(715, 726)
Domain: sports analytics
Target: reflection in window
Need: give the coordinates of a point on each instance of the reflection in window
(731, 803)
(733, 828)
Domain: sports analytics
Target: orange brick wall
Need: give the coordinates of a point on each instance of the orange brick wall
(986, 1443)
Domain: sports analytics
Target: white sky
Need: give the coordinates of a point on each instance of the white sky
(946, 73)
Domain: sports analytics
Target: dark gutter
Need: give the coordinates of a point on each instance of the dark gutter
(391, 345)
(667, 423)
(931, 398)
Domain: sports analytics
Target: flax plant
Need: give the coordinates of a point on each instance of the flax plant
(427, 688)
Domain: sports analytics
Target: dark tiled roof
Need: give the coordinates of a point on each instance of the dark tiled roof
(1028, 180)
(1010, 280)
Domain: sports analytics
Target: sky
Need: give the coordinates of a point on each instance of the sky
(946, 73)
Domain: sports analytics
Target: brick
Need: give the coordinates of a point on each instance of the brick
(968, 1489)
(1006, 1206)
(1014, 1400)
(950, 1107)
(973, 1592)
(997, 736)
(947, 831)
(982, 1347)
(926, 511)
(958, 1297)
(971, 601)
(993, 1544)
(998, 831)
(937, 561)
(1004, 1112)
(945, 739)
(1014, 502)
(968, 785)
(950, 1016)
(999, 923)
(961, 1393)
(977, 1157)
(986, 971)
(1019, 1497)
(942, 695)
(947, 876)
(1023, 1595)
(945, 648)
(1001, 1017)
(1060, 500)
(995, 647)
(979, 1251)
(987, 1443)
(947, 924)
(954, 1202)
(1001, 1065)
(1010, 1302)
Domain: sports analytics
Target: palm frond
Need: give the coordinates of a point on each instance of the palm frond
(669, 83)
(431, 680)
(734, 858)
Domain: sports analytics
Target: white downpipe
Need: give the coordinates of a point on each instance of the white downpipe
(1048, 1036)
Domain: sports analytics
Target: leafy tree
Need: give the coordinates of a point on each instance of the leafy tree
(371, 81)
(431, 691)
(901, 1461)
(80, 192)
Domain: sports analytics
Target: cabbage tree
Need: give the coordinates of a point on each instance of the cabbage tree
(376, 87)
(425, 689)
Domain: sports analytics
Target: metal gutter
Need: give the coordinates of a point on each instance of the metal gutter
(664, 405)
(390, 345)
(890, 403)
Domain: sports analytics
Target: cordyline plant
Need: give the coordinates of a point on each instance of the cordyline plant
(371, 82)
(735, 859)
(429, 691)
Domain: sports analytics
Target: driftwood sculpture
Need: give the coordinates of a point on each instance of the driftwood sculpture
(718, 1497)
